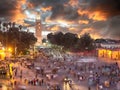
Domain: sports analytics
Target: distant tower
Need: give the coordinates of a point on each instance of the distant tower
(38, 30)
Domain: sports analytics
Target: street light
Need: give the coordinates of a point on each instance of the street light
(10, 49)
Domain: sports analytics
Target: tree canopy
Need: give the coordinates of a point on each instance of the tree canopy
(71, 41)
(12, 36)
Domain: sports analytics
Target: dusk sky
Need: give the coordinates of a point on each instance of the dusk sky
(100, 18)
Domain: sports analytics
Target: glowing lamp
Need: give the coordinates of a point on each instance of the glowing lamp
(9, 49)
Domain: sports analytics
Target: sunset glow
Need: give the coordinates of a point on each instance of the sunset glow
(71, 15)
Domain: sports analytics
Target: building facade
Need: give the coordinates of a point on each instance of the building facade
(109, 51)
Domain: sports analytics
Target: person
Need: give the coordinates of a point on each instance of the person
(89, 88)
(48, 86)
(10, 76)
(21, 72)
(15, 82)
(20, 76)
(100, 86)
(36, 75)
(42, 81)
(16, 72)
(70, 83)
(25, 80)
(57, 87)
(118, 85)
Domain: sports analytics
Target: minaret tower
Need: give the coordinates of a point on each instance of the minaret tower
(38, 30)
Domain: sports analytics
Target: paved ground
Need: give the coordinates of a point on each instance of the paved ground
(31, 73)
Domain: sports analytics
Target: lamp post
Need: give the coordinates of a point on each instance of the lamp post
(6, 38)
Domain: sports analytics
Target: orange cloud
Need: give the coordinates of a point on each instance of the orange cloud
(95, 36)
(30, 5)
(92, 32)
(22, 1)
(72, 29)
(86, 30)
(82, 12)
(18, 14)
(95, 15)
(83, 21)
(74, 2)
(61, 21)
(46, 8)
(55, 28)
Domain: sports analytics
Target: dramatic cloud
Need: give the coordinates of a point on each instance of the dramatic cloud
(109, 7)
(11, 10)
(97, 17)
(7, 8)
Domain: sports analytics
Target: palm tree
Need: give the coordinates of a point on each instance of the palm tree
(4, 27)
(13, 24)
(10, 24)
(0, 24)
(20, 27)
(1, 37)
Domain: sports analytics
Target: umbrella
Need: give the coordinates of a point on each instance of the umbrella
(37, 68)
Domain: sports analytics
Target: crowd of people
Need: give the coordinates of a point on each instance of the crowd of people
(52, 73)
